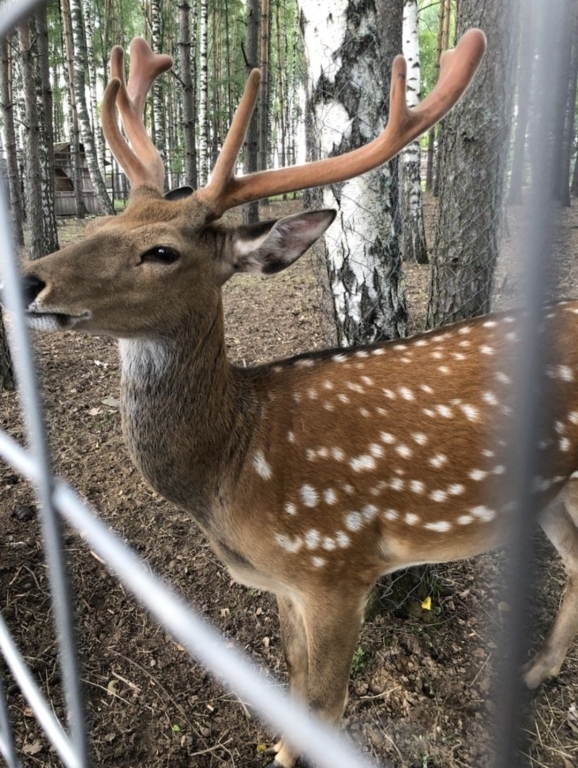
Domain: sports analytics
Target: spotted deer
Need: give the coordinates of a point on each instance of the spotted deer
(313, 476)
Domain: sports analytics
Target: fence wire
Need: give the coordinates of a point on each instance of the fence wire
(57, 500)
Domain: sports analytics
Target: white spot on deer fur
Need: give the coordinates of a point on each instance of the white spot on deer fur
(381, 411)
(411, 519)
(444, 411)
(291, 436)
(369, 512)
(490, 324)
(440, 527)
(444, 369)
(310, 454)
(564, 444)
(471, 412)
(378, 351)
(312, 394)
(429, 412)
(339, 358)
(490, 398)
(438, 496)
(309, 495)
(478, 474)
(376, 450)
(574, 310)
(262, 466)
(438, 460)
(573, 417)
(404, 451)
(364, 412)
(290, 508)
(388, 393)
(289, 544)
(297, 397)
(367, 381)
(487, 453)
(437, 355)
(512, 336)
(329, 543)
(465, 329)
(397, 484)
(349, 489)
(421, 343)
(312, 538)
(362, 353)
(499, 469)
(329, 406)
(426, 388)
(343, 398)
(465, 343)
(456, 489)
(420, 438)
(503, 377)
(465, 520)
(355, 387)
(483, 513)
(406, 393)
(406, 359)
(362, 463)
(306, 363)
(329, 496)
(353, 521)
(318, 561)
(387, 437)
(328, 384)
(391, 514)
(485, 349)
(509, 319)
(337, 454)
(323, 452)
(342, 539)
(559, 427)
(417, 486)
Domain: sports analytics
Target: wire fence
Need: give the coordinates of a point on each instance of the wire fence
(58, 502)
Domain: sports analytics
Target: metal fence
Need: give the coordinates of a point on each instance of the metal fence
(59, 503)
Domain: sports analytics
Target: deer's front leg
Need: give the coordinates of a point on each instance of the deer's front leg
(331, 623)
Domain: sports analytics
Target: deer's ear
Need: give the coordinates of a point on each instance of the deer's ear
(270, 246)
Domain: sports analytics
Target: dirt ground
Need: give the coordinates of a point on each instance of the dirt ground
(420, 692)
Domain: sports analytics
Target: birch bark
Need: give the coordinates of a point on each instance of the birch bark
(347, 93)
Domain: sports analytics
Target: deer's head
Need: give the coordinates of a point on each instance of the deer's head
(164, 260)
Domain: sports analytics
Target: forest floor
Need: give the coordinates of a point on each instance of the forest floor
(420, 692)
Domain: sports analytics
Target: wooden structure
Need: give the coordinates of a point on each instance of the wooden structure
(64, 182)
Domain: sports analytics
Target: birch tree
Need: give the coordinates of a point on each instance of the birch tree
(160, 138)
(349, 67)
(86, 133)
(9, 136)
(186, 62)
(414, 240)
(204, 137)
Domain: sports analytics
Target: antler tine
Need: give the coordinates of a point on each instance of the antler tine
(404, 125)
(223, 172)
(142, 163)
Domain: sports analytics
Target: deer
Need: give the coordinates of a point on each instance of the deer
(311, 477)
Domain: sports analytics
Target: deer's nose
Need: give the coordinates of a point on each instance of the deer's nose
(31, 287)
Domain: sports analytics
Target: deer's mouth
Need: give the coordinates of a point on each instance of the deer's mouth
(54, 321)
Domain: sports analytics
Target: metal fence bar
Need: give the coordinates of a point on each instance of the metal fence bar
(531, 413)
(66, 749)
(59, 583)
(203, 642)
(7, 749)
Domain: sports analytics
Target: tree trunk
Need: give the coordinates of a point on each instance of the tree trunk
(159, 108)
(348, 100)
(10, 146)
(526, 67)
(32, 160)
(86, 134)
(204, 137)
(414, 240)
(251, 211)
(98, 136)
(44, 100)
(264, 108)
(474, 154)
(431, 148)
(569, 105)
(7, 380)
(189, 114)
(74, 128)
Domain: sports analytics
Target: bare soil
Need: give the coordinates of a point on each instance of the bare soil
(421, 684)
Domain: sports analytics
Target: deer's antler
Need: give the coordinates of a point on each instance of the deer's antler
(142, 164)
(225, 190)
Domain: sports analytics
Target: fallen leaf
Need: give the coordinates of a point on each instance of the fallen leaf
(426, 605)
(32, 749)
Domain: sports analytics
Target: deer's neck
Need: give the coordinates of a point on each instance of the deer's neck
(181, 416)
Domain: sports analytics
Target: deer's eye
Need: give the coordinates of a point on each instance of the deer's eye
(161, 254)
